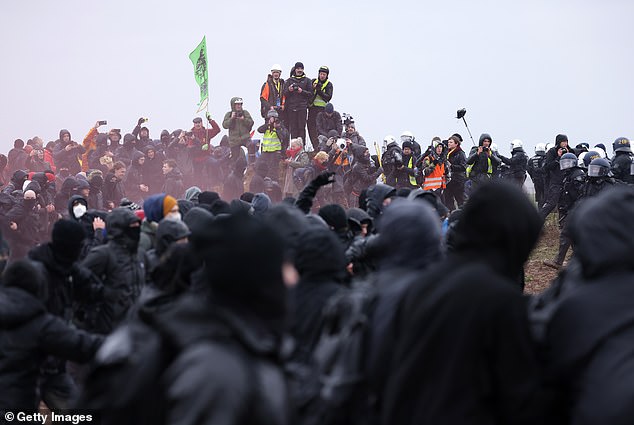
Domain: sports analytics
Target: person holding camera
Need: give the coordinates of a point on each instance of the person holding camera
(328, 120)
(351, 132)
(298, 92)
(435, 170)
(483, 161)
(239, 123)
(274, 143)
(554, 175)
(392, 160)
(339, 162)
(67, 153)
(322, 93)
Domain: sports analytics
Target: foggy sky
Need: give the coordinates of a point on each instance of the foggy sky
(525, 70)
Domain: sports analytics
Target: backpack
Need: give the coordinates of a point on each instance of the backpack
(333, 388)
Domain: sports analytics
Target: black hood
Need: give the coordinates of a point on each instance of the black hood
(61, 135)
(72, 200)
(484, 136)
(119, 230)
(601, 229)
(136, 155)
(498, 226)
(409, 235)
(18, 179)
(69, 185)
(17, 306)
(375, 197)
(321, 256)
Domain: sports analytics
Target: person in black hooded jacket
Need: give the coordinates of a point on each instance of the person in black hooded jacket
(28, 333)
(153, 169)
(409, 242)
(17, 181)
(590, 338)
(67, 284)
(224, 348)
(117, 264)
(362, 174)
(298, 91)
(320, 262)
(134, 183)
(465, 355)
(554, 175)
(67, 153)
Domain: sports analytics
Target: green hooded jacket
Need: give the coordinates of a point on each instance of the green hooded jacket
(239, 129)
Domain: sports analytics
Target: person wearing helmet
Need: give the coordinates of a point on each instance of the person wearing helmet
(271, 91)
(536, 170)
(588, 157)
(572, 191)
(599, 177)
(518, 163)
(622, 160)
(554, 174)
(322, 93)
(392, 160)
(408, 136)
(274, 143)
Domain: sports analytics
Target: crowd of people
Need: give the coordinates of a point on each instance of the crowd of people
(278, 281)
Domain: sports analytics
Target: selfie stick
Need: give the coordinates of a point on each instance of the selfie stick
(465, 124)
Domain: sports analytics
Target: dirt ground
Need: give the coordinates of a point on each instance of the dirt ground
(539, 276)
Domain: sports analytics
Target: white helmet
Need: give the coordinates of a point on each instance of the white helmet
(580, 162)
(540, 148)
(389, 139)
(276, 67)
(407, 136)
(517, 143)
(494, 147)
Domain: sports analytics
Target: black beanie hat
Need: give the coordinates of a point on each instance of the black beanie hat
(299, 65)
(208, 197)
(66, 239)
(335, 216)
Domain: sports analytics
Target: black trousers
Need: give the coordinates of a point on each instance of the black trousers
(297, 123)
(454, 192)
(312, 125)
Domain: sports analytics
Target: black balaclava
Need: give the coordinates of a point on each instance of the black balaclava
(66, 241)
(118, 227)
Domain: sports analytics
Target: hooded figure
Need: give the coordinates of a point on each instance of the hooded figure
(225, 348)
(363, 174)
(17, 182)
(464, 325)
(28, 333)
(320, 262)
(134, 182)
(409, 242)
(118, 266)
(153, 168)
(67, 153)
(168, 233)
(377, 199)
(590, 337)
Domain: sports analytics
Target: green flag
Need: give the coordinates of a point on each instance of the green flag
(199, 59)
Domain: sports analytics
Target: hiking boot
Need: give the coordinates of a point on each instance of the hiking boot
(553, 264)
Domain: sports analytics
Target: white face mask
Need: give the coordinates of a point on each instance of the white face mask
(174, 216)
(79, 210)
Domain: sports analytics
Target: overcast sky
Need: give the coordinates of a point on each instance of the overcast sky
(525, 70)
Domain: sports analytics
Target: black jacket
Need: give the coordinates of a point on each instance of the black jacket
(591, 335)
(273, 98)
(458, 161)
(296, 101)
(536, 170)
(119, 268)
(68, 158)
(554, 176)
(321, 265)
(214, 367)
(174, 184)
(134, 178)
(517, 163)
(327, 123)
(480, 163)
(27, 335)
(466, 355)
(113, 189)
(362, 174)
(621, 166)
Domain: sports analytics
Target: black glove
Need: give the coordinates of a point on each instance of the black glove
(324, 178)
(140, 121)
